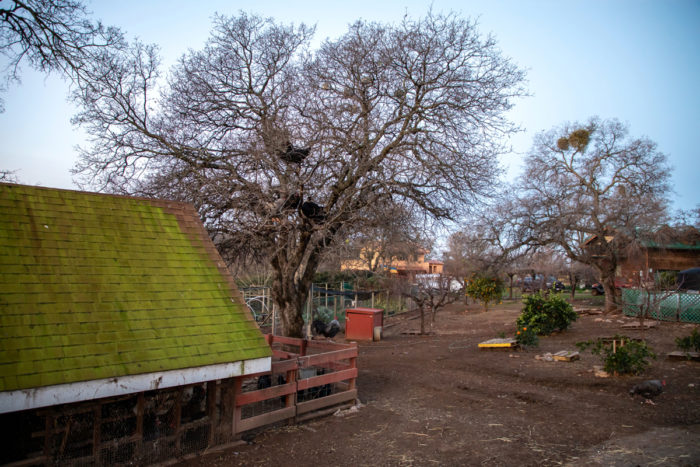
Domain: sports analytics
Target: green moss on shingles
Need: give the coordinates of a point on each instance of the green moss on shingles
(83, 274)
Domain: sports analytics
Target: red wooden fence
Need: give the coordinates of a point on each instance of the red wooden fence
(336, 363)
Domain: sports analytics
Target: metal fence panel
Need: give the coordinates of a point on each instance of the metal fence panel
(678, 306)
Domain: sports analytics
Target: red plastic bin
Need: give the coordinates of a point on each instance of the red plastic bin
(360, 322)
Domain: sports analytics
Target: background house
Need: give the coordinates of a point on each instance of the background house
(667, 249)
(649, 253)
(403, 260)
(121, 329)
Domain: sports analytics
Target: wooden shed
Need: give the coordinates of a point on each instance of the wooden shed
(122, 330)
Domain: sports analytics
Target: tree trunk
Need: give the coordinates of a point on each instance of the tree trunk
(510, 296)
(290, 296)
(611, 300)
(290, 304)
(422, 319)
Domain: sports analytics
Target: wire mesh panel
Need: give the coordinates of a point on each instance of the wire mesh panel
(142, 428)
(666, 306)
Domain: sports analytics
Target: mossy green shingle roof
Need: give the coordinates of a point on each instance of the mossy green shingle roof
(97, 286)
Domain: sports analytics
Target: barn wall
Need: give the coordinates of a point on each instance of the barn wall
(659, 260)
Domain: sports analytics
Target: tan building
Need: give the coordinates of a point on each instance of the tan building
(409, 264)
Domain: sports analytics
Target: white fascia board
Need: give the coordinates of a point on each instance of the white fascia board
(25, 399)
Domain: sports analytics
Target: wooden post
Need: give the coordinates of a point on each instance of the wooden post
(211, 412)
(48, 432)
(96, 427)
(178, 418)
(290, 399)
(236, 389)
(353, 364)
(140, 405)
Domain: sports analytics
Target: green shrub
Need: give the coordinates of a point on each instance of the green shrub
(628, 357)
(527, 337)
(546, 315)
(689, 343)
(484, 289)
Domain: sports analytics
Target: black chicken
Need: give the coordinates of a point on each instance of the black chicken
(313, 211)
(294, 155)
(318, 327)
(648, 389)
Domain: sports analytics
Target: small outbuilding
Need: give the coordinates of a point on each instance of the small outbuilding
(122, 330)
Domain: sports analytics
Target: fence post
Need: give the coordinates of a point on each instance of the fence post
(237, 411)
(678, 306)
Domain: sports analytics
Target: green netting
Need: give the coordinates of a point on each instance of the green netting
(665, 306)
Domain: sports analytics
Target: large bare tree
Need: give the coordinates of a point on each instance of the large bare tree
(588, 188)
(284, 150)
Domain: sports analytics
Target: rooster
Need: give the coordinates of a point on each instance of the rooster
(648, 389)
(318, 327)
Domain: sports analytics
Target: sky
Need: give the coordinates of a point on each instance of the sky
(637, 61)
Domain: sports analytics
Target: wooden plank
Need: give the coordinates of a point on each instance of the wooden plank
(498, 343)
(287, 340)
(41, 460)
(682, 355)
(320, 359)
(324, 412)
(337, 366)
(265, 394)
(284, 366)
(283, 355)
(328, 378)
(329, 345)
(265, 419)
(321, 402)
(566, 355)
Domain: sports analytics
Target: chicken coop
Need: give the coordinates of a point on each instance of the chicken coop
(126, 341)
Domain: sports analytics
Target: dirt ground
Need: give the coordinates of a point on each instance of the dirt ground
(439, 400)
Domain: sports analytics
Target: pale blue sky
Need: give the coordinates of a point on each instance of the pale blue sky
(638, 61)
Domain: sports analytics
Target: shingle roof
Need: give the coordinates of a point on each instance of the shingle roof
(97, 286)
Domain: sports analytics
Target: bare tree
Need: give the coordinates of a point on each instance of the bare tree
(586, 189)
(387, 232)
(490, 247)
(283, 151)
(8, 176)
(431, 292)
(50, 35)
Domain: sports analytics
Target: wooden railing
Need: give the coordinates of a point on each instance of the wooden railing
(336, 371)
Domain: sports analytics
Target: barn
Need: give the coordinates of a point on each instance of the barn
(122, 330)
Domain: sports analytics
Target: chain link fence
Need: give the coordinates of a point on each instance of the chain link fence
(325, 301)
(665, 306)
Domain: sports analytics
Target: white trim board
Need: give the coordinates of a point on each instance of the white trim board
(25, 399)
